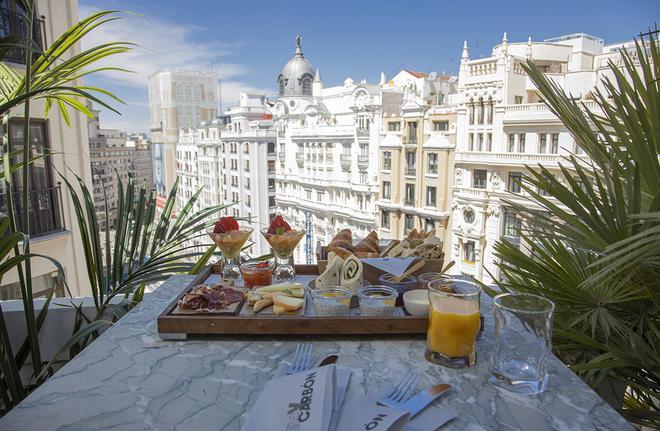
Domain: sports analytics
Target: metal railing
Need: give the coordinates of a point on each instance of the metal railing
(411, 171)
(46, 210)
(12, 23)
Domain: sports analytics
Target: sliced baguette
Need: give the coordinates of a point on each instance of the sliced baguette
(261, 304)
(278, 309)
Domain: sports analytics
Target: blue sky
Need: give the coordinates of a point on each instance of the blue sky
(247, 42)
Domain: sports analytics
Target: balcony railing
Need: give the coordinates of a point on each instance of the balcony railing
(12, 23)
(363, 160)
(411, 171)
(300, 158)
(45, 206)
(345, 160)
(362, 132)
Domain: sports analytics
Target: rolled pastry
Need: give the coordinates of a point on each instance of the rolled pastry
(351, 274)
(330, 276)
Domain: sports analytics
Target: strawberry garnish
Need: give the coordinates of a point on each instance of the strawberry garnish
(278, 226)
(225, 224)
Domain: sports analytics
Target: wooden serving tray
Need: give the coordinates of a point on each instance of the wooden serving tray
(178, 326)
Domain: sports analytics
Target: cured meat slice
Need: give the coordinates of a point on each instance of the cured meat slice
(203, 297)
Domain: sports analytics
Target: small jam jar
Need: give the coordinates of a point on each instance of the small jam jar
(257, 273)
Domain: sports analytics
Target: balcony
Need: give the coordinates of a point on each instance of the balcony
(13, 23)
(45, 210)
(411, 171)
(345, 161)
(363, 162)
(300, 158)
(281, 155)
(505, 159)
(363, 133)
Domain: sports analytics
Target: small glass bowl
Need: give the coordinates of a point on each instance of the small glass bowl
(377, 301)
(409, 282)
(332, 301)
(424, 279)
(257, 273)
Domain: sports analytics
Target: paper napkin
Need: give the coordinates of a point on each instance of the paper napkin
(300, 402)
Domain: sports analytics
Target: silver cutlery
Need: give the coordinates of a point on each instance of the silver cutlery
(402, 392)
(302, 359)
(423, 399)
(331, 359)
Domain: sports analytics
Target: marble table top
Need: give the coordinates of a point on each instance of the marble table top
(130, 379)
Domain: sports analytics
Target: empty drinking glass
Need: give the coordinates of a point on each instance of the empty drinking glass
(523, 342)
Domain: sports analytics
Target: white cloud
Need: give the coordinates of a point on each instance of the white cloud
(162, 44)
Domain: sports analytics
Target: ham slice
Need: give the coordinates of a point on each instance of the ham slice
(203, 297)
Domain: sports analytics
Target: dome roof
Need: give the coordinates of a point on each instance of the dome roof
(297, 75)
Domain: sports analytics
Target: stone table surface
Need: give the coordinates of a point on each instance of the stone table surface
(130, 379)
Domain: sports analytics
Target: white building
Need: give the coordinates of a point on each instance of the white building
(177, 99)
(502, 126)
(233, 157)
(328, 152)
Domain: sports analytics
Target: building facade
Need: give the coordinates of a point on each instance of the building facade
(502, 126)
(327, 146)
(416, 157)
(233, 158)
(114, 156)
(53, 228)
(177, 99)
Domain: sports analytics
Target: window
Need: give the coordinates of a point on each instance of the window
(412, 132)
(362, 123)
(489, 142)
(308, 195)
(468, 251)
(247, 166)
(480, 145)
(480, 111)
(512, 143)
(408, 222)
(511, 224)
(515, 178)
(410, 194)
(471, 142)
(271, 183)
(554, 145)
(363, 177)
(432, 163)
(518, 100)
(387, 160)
(410, 163)
(385, 219)
(521, 143)
(471, 112)
(440, 126)
(430, 196)
(394, 126)
(247, 183)
(387, 190)
(479, 178)
(271, 148)
(468, 215)
(543, 143)
(307, 85)
(429, 224)
(489, 118)
(281, 85)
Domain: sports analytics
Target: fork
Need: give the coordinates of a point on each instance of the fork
(401, 393)
(302, 359)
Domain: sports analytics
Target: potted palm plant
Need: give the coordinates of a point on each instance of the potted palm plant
(594, 246)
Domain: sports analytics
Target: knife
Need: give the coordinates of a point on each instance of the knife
(420, 401)
(328, 360)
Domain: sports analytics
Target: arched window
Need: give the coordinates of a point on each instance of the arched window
(307, 85)
(281, 83)
(480, 111)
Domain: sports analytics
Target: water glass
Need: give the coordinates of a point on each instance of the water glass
(523, 342)
(424, 279)
(454, 322)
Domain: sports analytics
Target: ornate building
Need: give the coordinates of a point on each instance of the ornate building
(416, 156)
(503, 125)
(328, 151)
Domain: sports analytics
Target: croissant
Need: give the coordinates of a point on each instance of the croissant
(366, 254)
(340, 252)
(343, 239)
(369, 244)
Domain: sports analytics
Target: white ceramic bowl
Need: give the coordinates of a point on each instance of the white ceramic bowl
(416, 302)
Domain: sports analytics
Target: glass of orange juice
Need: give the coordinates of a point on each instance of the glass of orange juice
(454, 322)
